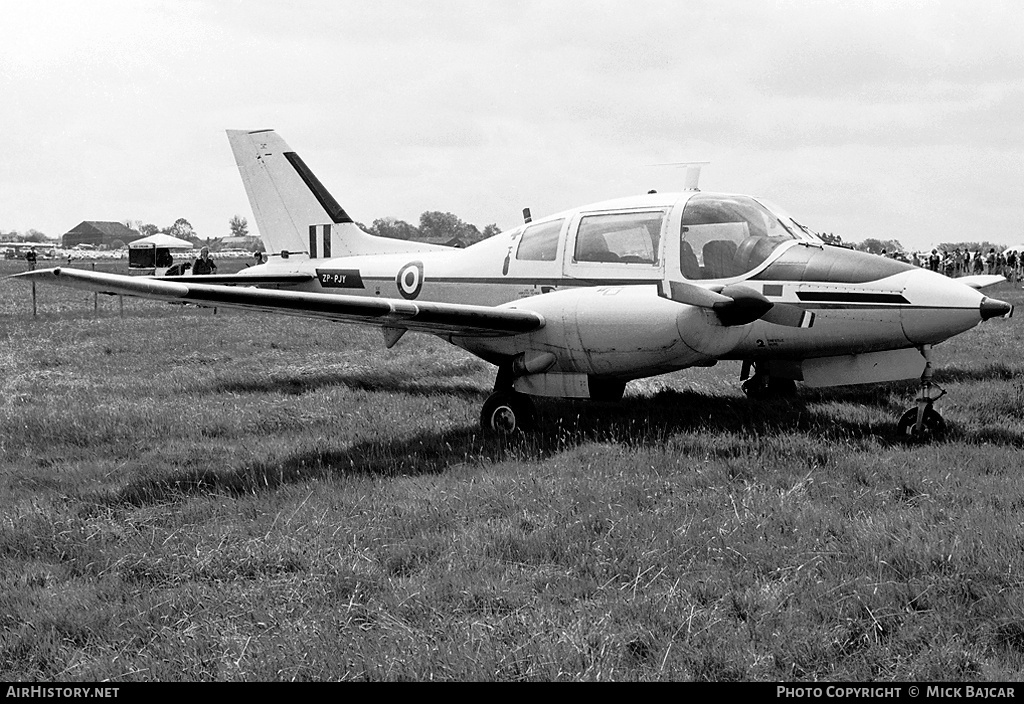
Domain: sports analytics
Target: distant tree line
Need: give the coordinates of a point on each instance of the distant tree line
(30, 235)
(434, 226)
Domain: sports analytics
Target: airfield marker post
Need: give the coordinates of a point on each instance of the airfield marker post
(95, 296)
(31, 267)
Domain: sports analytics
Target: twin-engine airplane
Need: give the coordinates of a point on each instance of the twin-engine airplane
(577, 304)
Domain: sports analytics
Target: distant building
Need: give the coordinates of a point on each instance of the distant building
(97, 233)
(445, 241)
(225, 244)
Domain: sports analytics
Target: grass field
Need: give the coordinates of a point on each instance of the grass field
(190, 495)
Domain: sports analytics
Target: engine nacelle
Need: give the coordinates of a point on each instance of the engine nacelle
(625, 332)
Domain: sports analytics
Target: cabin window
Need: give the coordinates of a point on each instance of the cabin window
(630, 238)
(725, 236)
(539, 242)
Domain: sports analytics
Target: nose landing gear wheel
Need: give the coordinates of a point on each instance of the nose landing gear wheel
(932, 425)
(505, 413)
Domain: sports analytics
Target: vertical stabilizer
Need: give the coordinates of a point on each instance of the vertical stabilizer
(288, 201)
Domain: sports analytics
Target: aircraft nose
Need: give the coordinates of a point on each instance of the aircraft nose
(941, 307)
(994, 308)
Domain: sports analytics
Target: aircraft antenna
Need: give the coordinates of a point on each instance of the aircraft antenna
(527, 218)
(692, 172)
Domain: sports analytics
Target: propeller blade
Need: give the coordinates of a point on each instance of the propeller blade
(746, 306)
(735, 305)
(693, 295)
(789, 315)
(738, 305)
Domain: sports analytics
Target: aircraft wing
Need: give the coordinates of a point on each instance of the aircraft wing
(980, 281)
(243, 280)
(440, 318)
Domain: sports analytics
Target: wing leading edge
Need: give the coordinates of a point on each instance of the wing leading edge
(446, 318)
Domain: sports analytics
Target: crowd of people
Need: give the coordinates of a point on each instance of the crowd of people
(964, 262)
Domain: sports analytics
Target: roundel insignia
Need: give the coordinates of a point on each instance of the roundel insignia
(410, 280)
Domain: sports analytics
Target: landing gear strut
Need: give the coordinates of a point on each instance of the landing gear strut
(765, 386)
(506, 411)
(922, 422)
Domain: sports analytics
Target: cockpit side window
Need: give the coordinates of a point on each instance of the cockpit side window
(539, 242)
(725, 236)
(629, 238)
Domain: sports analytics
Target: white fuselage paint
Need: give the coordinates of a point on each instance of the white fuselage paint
(610, 320)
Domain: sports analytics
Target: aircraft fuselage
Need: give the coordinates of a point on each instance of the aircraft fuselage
(605, 313)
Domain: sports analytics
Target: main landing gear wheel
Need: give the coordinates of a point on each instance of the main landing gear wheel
(932, 425)
(506, 412)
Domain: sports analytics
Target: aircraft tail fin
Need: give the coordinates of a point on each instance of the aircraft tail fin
(294, 212)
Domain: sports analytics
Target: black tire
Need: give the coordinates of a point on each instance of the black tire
(933, 426)
(506, 413)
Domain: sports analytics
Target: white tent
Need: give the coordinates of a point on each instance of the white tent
(152, 255)
(160, 240)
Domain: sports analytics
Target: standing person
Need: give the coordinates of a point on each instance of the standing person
(30, 257)
(257, 258)
(933, 260)
(990, 261)
(203, 264)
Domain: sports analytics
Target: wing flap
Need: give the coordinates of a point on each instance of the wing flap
(451, 318)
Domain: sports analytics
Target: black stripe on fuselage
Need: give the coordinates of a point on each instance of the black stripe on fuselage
(337, 213)
(525, 281)
(851, 297)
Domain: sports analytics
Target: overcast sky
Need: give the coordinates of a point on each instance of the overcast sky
(895, 120)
